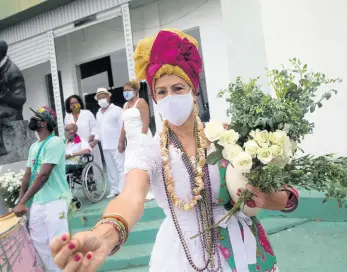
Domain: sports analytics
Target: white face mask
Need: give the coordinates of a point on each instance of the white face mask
(176, 108)
(103, 103)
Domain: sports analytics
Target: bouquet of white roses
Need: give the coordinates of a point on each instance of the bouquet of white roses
(10, 185)
(261, 141)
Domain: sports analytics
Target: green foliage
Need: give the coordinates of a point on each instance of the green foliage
(296, 96)
(296, 89)
(323, 173)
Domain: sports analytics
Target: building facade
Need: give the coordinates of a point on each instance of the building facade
(81, 45)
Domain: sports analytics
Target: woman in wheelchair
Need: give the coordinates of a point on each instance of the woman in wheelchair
(75, 148)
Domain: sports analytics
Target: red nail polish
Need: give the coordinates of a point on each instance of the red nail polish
(77, 258)
(64, 238)
(71, 246)
(89, 256)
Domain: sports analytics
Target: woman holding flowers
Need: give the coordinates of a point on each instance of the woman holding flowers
(192, 193)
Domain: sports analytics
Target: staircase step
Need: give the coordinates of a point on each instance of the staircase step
(273, 225)
(129, 256)
(138, 269)
(136, 253)
(88, 216)
(311, 207)
(143, 232)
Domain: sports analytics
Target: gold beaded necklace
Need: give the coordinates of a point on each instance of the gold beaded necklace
(201, 160)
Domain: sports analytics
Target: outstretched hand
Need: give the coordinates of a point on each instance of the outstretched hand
(84, 252)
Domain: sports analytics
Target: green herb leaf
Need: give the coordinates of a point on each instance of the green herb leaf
(214, 157)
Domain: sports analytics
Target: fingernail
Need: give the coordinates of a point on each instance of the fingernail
(71, 246)
(64, 238)
(89, 256)
(77, 258)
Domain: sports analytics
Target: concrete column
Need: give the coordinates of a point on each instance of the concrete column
(128, 36)
(55, 81)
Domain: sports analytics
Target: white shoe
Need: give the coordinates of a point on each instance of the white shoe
(112, 195)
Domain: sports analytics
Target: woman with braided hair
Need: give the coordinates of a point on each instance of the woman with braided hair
(192, 194)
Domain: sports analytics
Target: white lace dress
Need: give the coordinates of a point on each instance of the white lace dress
(168, 254)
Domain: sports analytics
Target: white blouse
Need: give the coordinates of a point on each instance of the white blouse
(86, 123)
(110, 125)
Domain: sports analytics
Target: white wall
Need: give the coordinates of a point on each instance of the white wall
(314, 31)
(107, 38)
(36, 88)
(245, 39)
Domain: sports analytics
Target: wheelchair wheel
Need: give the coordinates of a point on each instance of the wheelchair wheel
(93, 182)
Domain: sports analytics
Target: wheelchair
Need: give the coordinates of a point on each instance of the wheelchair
(90, 176)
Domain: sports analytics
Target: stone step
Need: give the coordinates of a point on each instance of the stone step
(311, 207)
(137, 254)
(143, 232)
(88, 216)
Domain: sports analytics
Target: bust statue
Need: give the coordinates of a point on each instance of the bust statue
(12, 92)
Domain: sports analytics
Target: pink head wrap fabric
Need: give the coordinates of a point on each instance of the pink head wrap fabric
(169, 48)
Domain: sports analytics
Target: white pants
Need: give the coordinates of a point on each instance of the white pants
(115, 170)
(45, 222)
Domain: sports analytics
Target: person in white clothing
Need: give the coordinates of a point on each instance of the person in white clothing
(86, 122)
(75, 148)
(109, 119)
(135, 130)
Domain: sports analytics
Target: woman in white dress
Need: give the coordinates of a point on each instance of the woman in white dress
(191, 193)
(135, 132)
(86, 123)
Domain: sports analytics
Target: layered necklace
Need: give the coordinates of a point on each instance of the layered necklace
(201, 195)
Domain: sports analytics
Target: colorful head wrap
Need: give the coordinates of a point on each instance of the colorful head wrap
(170, 52)
(48, 115)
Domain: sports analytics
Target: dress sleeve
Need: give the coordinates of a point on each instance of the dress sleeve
(145, 157)
(293, 200)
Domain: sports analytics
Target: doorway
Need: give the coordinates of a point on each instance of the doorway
(100, 73)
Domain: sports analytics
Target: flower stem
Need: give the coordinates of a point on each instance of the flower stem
(244, 197)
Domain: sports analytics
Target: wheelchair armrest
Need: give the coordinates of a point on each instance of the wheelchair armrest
(87, 157)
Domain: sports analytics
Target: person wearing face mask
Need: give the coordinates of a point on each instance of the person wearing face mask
(75, 147)
(44, 191)
(86, 123)
(135, 129)
(191, 193)
(109, 119)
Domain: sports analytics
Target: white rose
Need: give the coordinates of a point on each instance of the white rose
(228, 137)
(230, 152)
(214, 130)
(261, 137)
(265, 155)
(251, 147)
(278, 137)
(276, 150)
(243, 162)
(284, 159)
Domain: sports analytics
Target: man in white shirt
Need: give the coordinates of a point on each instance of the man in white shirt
(75, 147)
(110, 122)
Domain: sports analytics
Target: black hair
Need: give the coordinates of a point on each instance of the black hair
(67, 102)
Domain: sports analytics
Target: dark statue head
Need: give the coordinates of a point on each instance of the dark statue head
(3, 49)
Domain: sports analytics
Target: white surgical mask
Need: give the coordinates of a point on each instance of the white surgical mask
(103, 103)
(176, 108)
